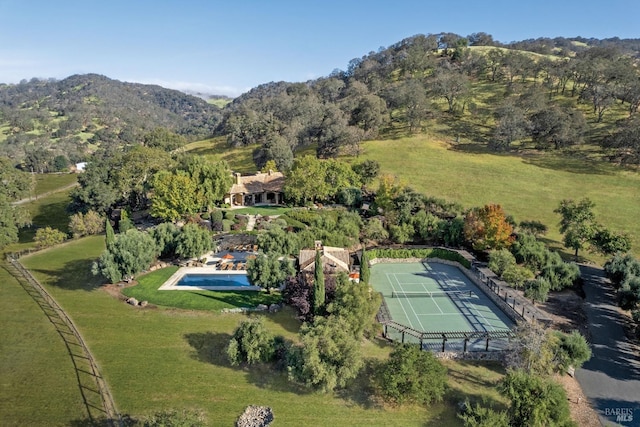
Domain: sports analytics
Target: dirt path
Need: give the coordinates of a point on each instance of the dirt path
(48, 193)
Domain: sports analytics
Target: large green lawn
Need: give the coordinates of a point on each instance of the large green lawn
(529, 187)
(160, 358)
(54, 182)
(47, 211)
(38, 386)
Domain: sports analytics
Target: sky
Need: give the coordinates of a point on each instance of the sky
(227, 47)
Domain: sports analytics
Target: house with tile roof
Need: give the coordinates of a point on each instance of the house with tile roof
(262, 188)
(334, 260)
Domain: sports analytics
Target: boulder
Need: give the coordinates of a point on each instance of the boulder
(132, 301)
(274, 307)
(262, 307)
(255, 416)
(144, 303)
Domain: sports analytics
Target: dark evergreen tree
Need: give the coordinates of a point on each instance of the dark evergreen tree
(365, 273)
(110, 237)
(318, 285)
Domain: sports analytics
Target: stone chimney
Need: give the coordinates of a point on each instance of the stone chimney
(270, 172)
(318, 245)
(238, 178)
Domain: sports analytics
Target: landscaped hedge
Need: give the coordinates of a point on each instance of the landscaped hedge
(419, 253)
(226, 225)
(297, 225)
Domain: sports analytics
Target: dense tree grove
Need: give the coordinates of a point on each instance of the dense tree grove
(15, 185)
(624, 272)
(131, 253)
(404, 84)
(268, 271)
(412, 375)
(578, 223)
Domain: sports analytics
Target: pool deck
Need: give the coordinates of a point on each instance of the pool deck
(208, 268)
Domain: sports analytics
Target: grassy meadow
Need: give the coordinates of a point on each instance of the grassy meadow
(46, 183)
(39, 387)
(49, 210)
(160, 358)
(240, 159)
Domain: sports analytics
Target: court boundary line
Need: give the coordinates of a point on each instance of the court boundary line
(432, 299)
(401, 306)
(411, 305)
(467, 310)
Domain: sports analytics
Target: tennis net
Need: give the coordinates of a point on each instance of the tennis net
(427, 294)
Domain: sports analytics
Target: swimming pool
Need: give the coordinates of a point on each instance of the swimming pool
(202, 280)
(198, 278)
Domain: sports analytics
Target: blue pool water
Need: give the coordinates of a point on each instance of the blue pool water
(237, 280)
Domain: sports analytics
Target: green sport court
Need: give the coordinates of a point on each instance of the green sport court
(438, 298)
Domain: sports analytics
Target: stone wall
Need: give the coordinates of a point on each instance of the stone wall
(394, 260)
(497, 356)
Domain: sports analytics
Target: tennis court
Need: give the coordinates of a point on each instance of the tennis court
(436, 297)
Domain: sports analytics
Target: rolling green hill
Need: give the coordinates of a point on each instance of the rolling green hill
(74, 116)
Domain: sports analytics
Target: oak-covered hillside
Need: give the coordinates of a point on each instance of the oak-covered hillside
(44, 119)
(558, 94)
(543, 94)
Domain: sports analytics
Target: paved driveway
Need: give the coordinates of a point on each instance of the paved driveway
(611, 379)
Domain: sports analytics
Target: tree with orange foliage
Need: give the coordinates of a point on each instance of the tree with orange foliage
(388, 189)
(487, 228)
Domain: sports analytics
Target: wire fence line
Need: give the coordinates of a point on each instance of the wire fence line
(95, 392)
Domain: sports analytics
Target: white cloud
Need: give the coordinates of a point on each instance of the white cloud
(194, 87)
